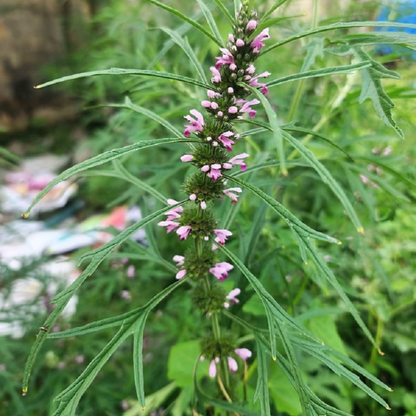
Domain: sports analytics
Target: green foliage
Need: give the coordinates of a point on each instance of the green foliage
(309, 354)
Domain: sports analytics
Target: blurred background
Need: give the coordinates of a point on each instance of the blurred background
(45, 131)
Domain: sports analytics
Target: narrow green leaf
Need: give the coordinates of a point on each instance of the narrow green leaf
(268, 301)
(270, 22)
(221, 6)
(99, 160)
(336, 26)
(138, 358)
(373, 89)
(187, 19)
(63, 298)
(273, 8)
(326, 178)
(125, 174)
(326, 271)
(262, 387)
(346, 69)
(141, 110)
(291, 219)
(211, 22)
(184, 45)
(122, 71)
(274, 124)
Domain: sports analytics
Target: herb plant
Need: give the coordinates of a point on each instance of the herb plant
(232, 347)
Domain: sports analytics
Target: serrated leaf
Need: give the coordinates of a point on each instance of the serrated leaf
(326, 271)
(326, 178)
(372, 89)
(211, 22)
(262, 387)
(290, 219)
(187, 19)
(184, 45)
(99, 160)
(343, 69)
(337, 26)
(63, 298)
(122, 71)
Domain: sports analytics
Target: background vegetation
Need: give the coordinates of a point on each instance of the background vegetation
(375, 269)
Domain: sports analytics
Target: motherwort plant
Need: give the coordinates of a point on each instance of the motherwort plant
(212, 135)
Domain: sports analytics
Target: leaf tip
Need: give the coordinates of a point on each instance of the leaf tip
(24, 391)
(285, 172)
(390, 390)
(25, 216)
(381, 352)
(274, 358)
(37, 87)
(306, 263)
(339, 243)
(143, 409)
(360, 230)
(388, 407)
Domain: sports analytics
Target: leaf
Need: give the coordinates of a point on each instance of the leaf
(130, 105)
(375, 38)
(325, 329)
(254, 306)
(274, 124)
(184, 45)
(326, 271)
(282, 211)
(273, 8)
(373, 89)
(220, 5)
(314, 49)
(63, 298)
(99, 160)
(122, 71)
(326, 178)
(187, 19)
(262, 387)
(269, 303)
(284, 395)
(138, 358)
(336, 26)
(181, 362)
(345, 69)
(211, 22)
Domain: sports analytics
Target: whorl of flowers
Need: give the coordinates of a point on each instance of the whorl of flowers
(226, 102)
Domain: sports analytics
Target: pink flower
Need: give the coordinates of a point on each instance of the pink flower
(230, 194)
(180, 274)
(187, 158)
(239, 43)
(254, 82)
(251, 26)
(214, 173)
(230, 90)
(130, 271)
(257, 43)
(243, 353)
(226, 141)
(174, 214)
(170, 225)
(206, 104)
(172, 202)
(251, 69)
(192, 197)
(246, 107)
(232, 364)
(216, 76)
(233, 109)
(205, 168)
(213, 368)
(232, 297)
(220, 270)
(203, 205)
(183, 231)
(196, 124)
(231, 38)
(238, 160)
(222, 236)
(179, 260)
(227, 58)
(213, 94)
